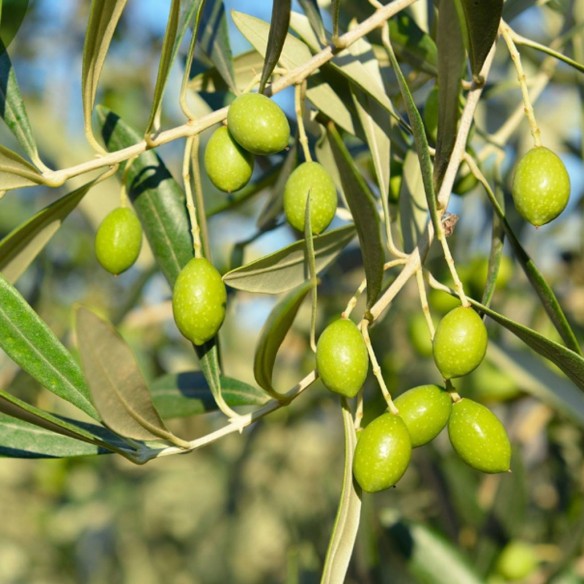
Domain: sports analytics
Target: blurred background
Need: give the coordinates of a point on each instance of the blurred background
(260, 507)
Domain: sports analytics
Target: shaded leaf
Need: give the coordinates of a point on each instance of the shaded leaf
(451, 58)
(119, 390)
(31, 344)
(213, 39)
(22, 245)
(364, 211)
(344, 533)
(16, 172)
(285, 269)
(482, 23)
(571, 363)
(430, 557)
(413, 206)
(412, 44)
(12, 107)
(273, 333)
(186, 394)
(279, 24)
(103, 19)
(312, 11)
(29, 432)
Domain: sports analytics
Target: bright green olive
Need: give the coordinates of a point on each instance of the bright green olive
(517, 560)
(460, 342)
(342, 361)
(382, 454)
(118, 240)
(541, 186)
(478, 437)
(310, 177)
(198, 301)
(425, 411)
(228, 165)
(258, 124)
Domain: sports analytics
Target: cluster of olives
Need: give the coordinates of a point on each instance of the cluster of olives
(384, 446)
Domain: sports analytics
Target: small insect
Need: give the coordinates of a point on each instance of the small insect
(449, 221)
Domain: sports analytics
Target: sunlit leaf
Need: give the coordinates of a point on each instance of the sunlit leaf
(346, 526)
(451, 57)
(103, 19)
(273, 333)
(119, 390)
(364, 211)
(482, 23)
(32, 345)
(188, 393)
(213, 39)
(285, 269)
(12, 107)
(16, 172)
(29, 432)
(279, 23)
(22, 245)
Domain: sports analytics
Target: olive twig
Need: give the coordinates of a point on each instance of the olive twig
(186, 170)
(299, 95)
(424, 301)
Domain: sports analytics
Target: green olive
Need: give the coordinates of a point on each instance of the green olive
(478, 437)
(517, 560)
(425, 411)
(460, 342)
(198, 301)
(118, 240)
(258, 124)
(382, 454)
(310, 177)
(342, 361)
(541, 186)
(228, 165)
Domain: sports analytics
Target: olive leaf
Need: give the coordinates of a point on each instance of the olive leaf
(285, 269)
(413, 206)
(364, 211)
(279, 23)
(185, 394)
(312, 11)
(119, 390)
(16, 172)
(273, 333)
(103, 19)
(29, 432)
(343, 537)
(22, 245)
(32, 345)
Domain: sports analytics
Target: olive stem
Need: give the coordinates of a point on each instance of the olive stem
(424, 302)
(516, 58)
(364, 326)
(195, 231)
(299, 93)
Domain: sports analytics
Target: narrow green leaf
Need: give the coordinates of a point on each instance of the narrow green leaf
(482, 23)
(167, 54)
(103, 19)
(185, 394)
(279, 24)
(364, 211)
(420, 139)
(158, 199)
(119, 390)
(31, 344)
(413, 206)
(412, 44)
(430, 557)
(273, 333)
(570, 362)
(12, 108)
(312, 11)
(213, 40)
(346, 526)
(22, 245)
(16, 172)
(376, 125)
(29, 432)
(285, 269)
(13, 13)
(451, 57)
